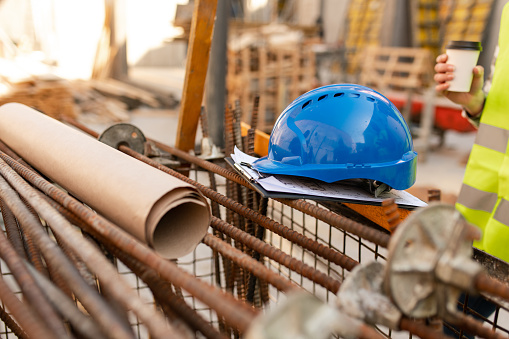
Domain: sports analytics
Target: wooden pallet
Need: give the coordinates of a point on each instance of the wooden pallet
(277, 75)
(396, 68)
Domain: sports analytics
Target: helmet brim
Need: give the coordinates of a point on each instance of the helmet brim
(399, 174)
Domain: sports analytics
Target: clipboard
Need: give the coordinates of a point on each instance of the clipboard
(283, 195)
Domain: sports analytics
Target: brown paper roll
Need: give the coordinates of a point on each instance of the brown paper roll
(168, 214)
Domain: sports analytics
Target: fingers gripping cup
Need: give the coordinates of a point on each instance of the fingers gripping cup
(463, 55)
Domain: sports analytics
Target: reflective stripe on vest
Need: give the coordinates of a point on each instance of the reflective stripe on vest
(492, 137)
(474, 198)
(484, 196)
(502, 212)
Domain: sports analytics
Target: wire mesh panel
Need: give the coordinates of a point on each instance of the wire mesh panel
(258, 252)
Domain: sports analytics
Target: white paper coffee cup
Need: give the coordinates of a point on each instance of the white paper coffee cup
(463, 55)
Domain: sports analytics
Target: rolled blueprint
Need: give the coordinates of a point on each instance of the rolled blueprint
(166, 213)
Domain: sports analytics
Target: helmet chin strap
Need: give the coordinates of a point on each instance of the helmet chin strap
(372, 186)
(382, 188)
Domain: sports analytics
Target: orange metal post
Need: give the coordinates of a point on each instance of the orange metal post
(197, 62)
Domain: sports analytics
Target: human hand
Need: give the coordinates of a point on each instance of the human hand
(472, 101)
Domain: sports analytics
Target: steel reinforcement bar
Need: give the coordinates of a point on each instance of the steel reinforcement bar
(238, 314)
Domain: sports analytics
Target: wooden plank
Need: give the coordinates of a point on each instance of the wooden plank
(377, 214)
(197, 62)
(396, 67)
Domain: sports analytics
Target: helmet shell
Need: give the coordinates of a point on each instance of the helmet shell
(342, 131)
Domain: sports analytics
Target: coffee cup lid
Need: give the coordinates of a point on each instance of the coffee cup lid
(468, 45)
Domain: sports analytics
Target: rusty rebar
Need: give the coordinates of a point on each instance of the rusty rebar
(250, 142)
(160, 289)
(12, 324)
(88, 253)
(30, 289)
(229, 269)
(262, 220)
(365, 331)
(80, 323)
(228, 130)
(263, 287)
(340, 222)
(204, 121)
(277, 255)
(216, 212)
(251, 132)
(78, 263)
(24, 316)
(51, 271)
(238, 314)
(434, 195)
(33, 254)
(12, 230)
(392, 215)
(240, 194)
(475, 327)
(254, 113)
(420, 329)
(483, 282)
(90, 299)
(249, 264)
(164, 295)
(237, 116)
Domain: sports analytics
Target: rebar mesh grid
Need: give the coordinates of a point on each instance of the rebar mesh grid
(213, 268)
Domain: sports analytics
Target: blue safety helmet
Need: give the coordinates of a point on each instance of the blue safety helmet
(342, 131)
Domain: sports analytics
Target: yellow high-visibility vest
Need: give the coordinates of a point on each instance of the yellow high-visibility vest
(484, 195)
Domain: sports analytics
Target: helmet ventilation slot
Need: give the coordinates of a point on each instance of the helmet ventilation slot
(322, 97)
(306, 104)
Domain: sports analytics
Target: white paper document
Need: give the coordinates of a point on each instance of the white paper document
(304, 186)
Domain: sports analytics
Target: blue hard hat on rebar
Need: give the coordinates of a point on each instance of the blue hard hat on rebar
(342, 131)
